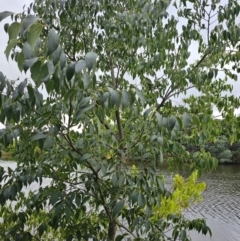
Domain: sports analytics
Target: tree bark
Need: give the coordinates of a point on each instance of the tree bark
(112, 228)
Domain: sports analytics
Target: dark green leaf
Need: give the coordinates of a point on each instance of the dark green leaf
(13, 30)
(70, 71)
(28, 21)
(56, 55)
(86, 80)
(118, 207)
(52, 42)
(186, 120)
(62, 60)
(70, 237)
(44, 74)
(34, 33)
(27, 51)
(38, 136)
(84, 102)
(5, 14)
(21, 87)
(140, 95)
(28, 63)
(114, 98)
(183, 235)
(125, 99)
(41, 229)
(11, 44)
(20, 61)
(141, 200)
(90, 60)
(6, 25)
(2, 81)
(134, 196)
(80, 65)
(35, 73)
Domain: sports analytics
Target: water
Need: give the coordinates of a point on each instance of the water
(221, 205)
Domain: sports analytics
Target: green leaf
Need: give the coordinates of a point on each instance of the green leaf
(21, 87)
(50, 66)
(34, 33)
(86, 156)
(28, 63)
(146, 113)
(69, 237)
(90, 60)
(13, 30)
(80, 112)
(172, 122)
(148, 211)
(159, 119)
(183, 235)
(2, 81)
(160, 184)
(13, 191)
(20, 61)
(38, 136)
(140, 95)
(11, 44)
(48, 144)
(5, 14)
(44, 74)
(114, 98)
(114, 180)
(86, 80)
(84, 102)
(6, 25)
(141, 200)
(186, 120)
(125, 99)
(70, 71)
(27, 51)
(118, 207)
(52, 42)
(80, 65)
(28, 21)
(69, 94)
(41, 229)
(56, 55)
(62, 60)
(35, 73)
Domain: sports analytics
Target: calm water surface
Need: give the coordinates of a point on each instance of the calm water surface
(221, 205)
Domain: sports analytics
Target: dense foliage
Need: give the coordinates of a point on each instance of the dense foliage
(110, 71)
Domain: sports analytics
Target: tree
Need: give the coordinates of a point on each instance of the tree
(220, 150)
(111, 71)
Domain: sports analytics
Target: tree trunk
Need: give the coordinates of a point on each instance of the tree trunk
(112, 228)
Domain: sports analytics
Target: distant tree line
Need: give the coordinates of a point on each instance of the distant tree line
(222, 148)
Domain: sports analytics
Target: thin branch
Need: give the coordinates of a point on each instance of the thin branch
(117, 113)
(74, 41)
(122, 226)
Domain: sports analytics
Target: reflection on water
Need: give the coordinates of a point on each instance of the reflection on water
(221, 205)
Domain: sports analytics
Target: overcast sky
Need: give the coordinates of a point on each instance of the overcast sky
(10, 69)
